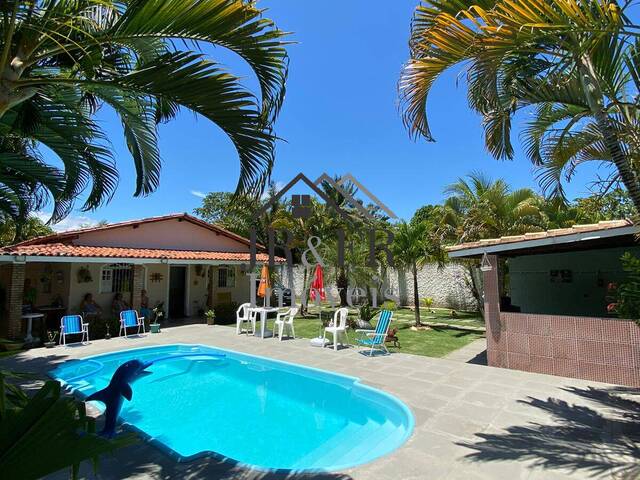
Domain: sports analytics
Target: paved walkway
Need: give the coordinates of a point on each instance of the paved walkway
(472, 421)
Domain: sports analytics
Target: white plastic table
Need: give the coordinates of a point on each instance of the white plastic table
(29, 318)
(263, 311)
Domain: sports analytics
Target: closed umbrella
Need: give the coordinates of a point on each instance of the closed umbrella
(264, 283)
(318, 284)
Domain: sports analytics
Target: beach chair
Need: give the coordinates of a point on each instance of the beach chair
(73, 325)
(375, 339)
(130, 319)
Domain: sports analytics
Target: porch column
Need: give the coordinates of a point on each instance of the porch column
(15, 297)
(496, 341)
(138, 285)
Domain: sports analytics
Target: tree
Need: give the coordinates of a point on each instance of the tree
(62, 60)
(415, 245)
(10, 232)
(573, 62)
(478, 207)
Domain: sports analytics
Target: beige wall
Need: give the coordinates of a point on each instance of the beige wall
(239, 294)
(55, 275)
(157, 291)
(168, 234)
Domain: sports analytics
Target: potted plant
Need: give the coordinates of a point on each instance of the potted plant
(107, 335)
(211, 316)
(51, 339)
(158, 315)
(366, 315)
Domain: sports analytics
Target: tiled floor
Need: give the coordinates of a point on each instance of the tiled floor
(472, 421)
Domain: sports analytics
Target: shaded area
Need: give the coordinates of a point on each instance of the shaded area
(480, 359)
(602, 438)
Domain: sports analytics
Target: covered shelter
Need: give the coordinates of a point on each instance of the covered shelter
(545, 301)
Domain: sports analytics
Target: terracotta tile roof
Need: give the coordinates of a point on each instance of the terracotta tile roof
(64, 250)
(59, 236)
(558, 232)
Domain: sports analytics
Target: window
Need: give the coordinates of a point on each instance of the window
(117, 277)
(226, 277)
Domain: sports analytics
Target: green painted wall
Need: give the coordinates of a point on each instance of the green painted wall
(532, 289)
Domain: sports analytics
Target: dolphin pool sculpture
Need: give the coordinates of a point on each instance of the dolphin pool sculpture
(119, 388)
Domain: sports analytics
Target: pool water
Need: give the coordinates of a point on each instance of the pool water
(256, 411)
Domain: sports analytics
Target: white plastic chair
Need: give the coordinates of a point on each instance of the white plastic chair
(284, 321)
(338, 326)
(244, 314)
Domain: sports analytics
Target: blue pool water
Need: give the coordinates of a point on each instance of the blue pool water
(259, 412)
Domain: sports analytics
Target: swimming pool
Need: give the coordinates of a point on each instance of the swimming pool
(257, 411)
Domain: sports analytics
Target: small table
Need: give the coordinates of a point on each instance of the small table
(263, 311)
(29, 318)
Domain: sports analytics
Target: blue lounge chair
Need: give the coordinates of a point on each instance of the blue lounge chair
(130, 319)
(73, 325)
(374, 339)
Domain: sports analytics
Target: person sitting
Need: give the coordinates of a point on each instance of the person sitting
(144, 305)
(89, 307)
(118, 305)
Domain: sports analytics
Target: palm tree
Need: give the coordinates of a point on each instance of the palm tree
(62, 60)
(415, 245)
(478, 207)
(573, 62)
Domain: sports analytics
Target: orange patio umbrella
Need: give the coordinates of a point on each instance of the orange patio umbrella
(264, 282)
(317, 285)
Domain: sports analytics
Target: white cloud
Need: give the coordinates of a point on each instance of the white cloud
(72, 222)
(198, 193)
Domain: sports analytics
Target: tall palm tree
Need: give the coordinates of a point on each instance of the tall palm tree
(478, 207)
(574, 63)
(415, 245)
(62, 60)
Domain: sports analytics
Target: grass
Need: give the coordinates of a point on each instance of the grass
(436, 342)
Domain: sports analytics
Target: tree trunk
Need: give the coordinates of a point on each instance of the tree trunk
(342, 282)
(595, 99)
(416, 296)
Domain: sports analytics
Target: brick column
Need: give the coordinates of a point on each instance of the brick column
(496, 343)
(15, 296)
(138, 285)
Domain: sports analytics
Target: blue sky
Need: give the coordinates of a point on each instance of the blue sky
(340, 115)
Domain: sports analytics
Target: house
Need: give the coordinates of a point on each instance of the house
(546, 297)
(178, 259)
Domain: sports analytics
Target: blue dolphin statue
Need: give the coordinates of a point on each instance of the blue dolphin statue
(119, 387)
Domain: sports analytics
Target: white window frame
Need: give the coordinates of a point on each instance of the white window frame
(106, 276)
(230, 278)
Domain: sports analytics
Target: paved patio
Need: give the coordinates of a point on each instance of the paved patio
(472, 421)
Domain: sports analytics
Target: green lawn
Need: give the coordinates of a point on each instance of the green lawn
(436, 342)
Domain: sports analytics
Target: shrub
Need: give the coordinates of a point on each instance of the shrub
(628, 292)
(390, 305)
(427, 302)
(367, 312)
(226, 313)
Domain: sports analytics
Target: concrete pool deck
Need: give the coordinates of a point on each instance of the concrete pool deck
(472, 421)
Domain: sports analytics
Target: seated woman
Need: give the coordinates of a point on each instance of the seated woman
(118, 305)
(144, 306)
(89, 307)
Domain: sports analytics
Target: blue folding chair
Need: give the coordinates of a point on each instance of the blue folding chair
(375, 339)
(130, 319)
(73, 325)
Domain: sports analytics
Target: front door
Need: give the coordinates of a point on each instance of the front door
(177, 291)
